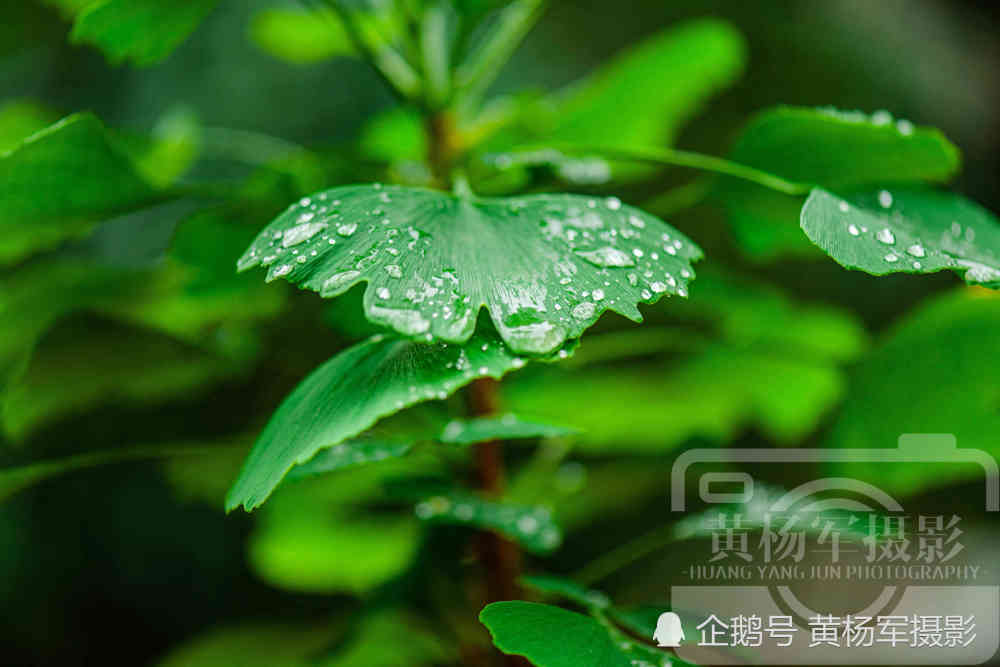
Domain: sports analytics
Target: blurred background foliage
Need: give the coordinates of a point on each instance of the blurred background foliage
(126, 335)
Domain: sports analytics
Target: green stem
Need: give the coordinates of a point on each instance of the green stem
(389, 64)
(475, 75)
(435, 53)
(678, 158)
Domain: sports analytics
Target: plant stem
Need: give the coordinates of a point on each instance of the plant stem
(499, 557)
(475, 75)
(679, 158)
(442, 147)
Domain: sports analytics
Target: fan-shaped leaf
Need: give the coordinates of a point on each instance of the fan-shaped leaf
(544, 266)
(551, 637)
(354, 389)
(906, 230)
(531, 527)
(832, 149)
(142, 31)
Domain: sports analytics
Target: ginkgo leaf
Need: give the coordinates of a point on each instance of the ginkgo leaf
(837, 150)
(503, 427)
(60, 181)
(530, 526)
(544, 266)
(353, 390)
(906, 230)
(141, 31)
(552, 637)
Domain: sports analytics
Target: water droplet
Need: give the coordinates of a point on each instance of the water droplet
(905, 127)
(853, 230)
(658, 287)
(300, 233)
(347, 228)
(844, 208)
(637, 222)
(884, 198)
(613, 203)
(606, 256)
(892, 257)
(527, 524)
(886, 236)
(916, 250)
(394, 270)
(584, 310)
(598, 294)
(383, 293)
(337, 281)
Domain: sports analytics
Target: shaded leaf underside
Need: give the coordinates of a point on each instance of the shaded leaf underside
(544, 266)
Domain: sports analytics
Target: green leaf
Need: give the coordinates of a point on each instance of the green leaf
(144, 32)
(935, 372)
(20, 119)
(354, 389)
(827, 148)
(905, 230)
(643, 96)
(551, 637)
(569, 589)
(504, 427)
(545, 266)
(712, 394)
(300, 37)
(334, 533)
(60, 181)
(530, 526)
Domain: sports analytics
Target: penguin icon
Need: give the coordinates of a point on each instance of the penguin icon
(669, 632)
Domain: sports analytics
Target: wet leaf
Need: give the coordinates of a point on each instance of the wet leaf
(60, 181)
(504, 427)
(143, 32)
(530, 526)
(544, 266)
(900, 230)
(353, 390)
(836, 150)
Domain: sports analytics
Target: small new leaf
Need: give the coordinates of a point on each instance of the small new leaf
(901, 230)
(544, 266)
